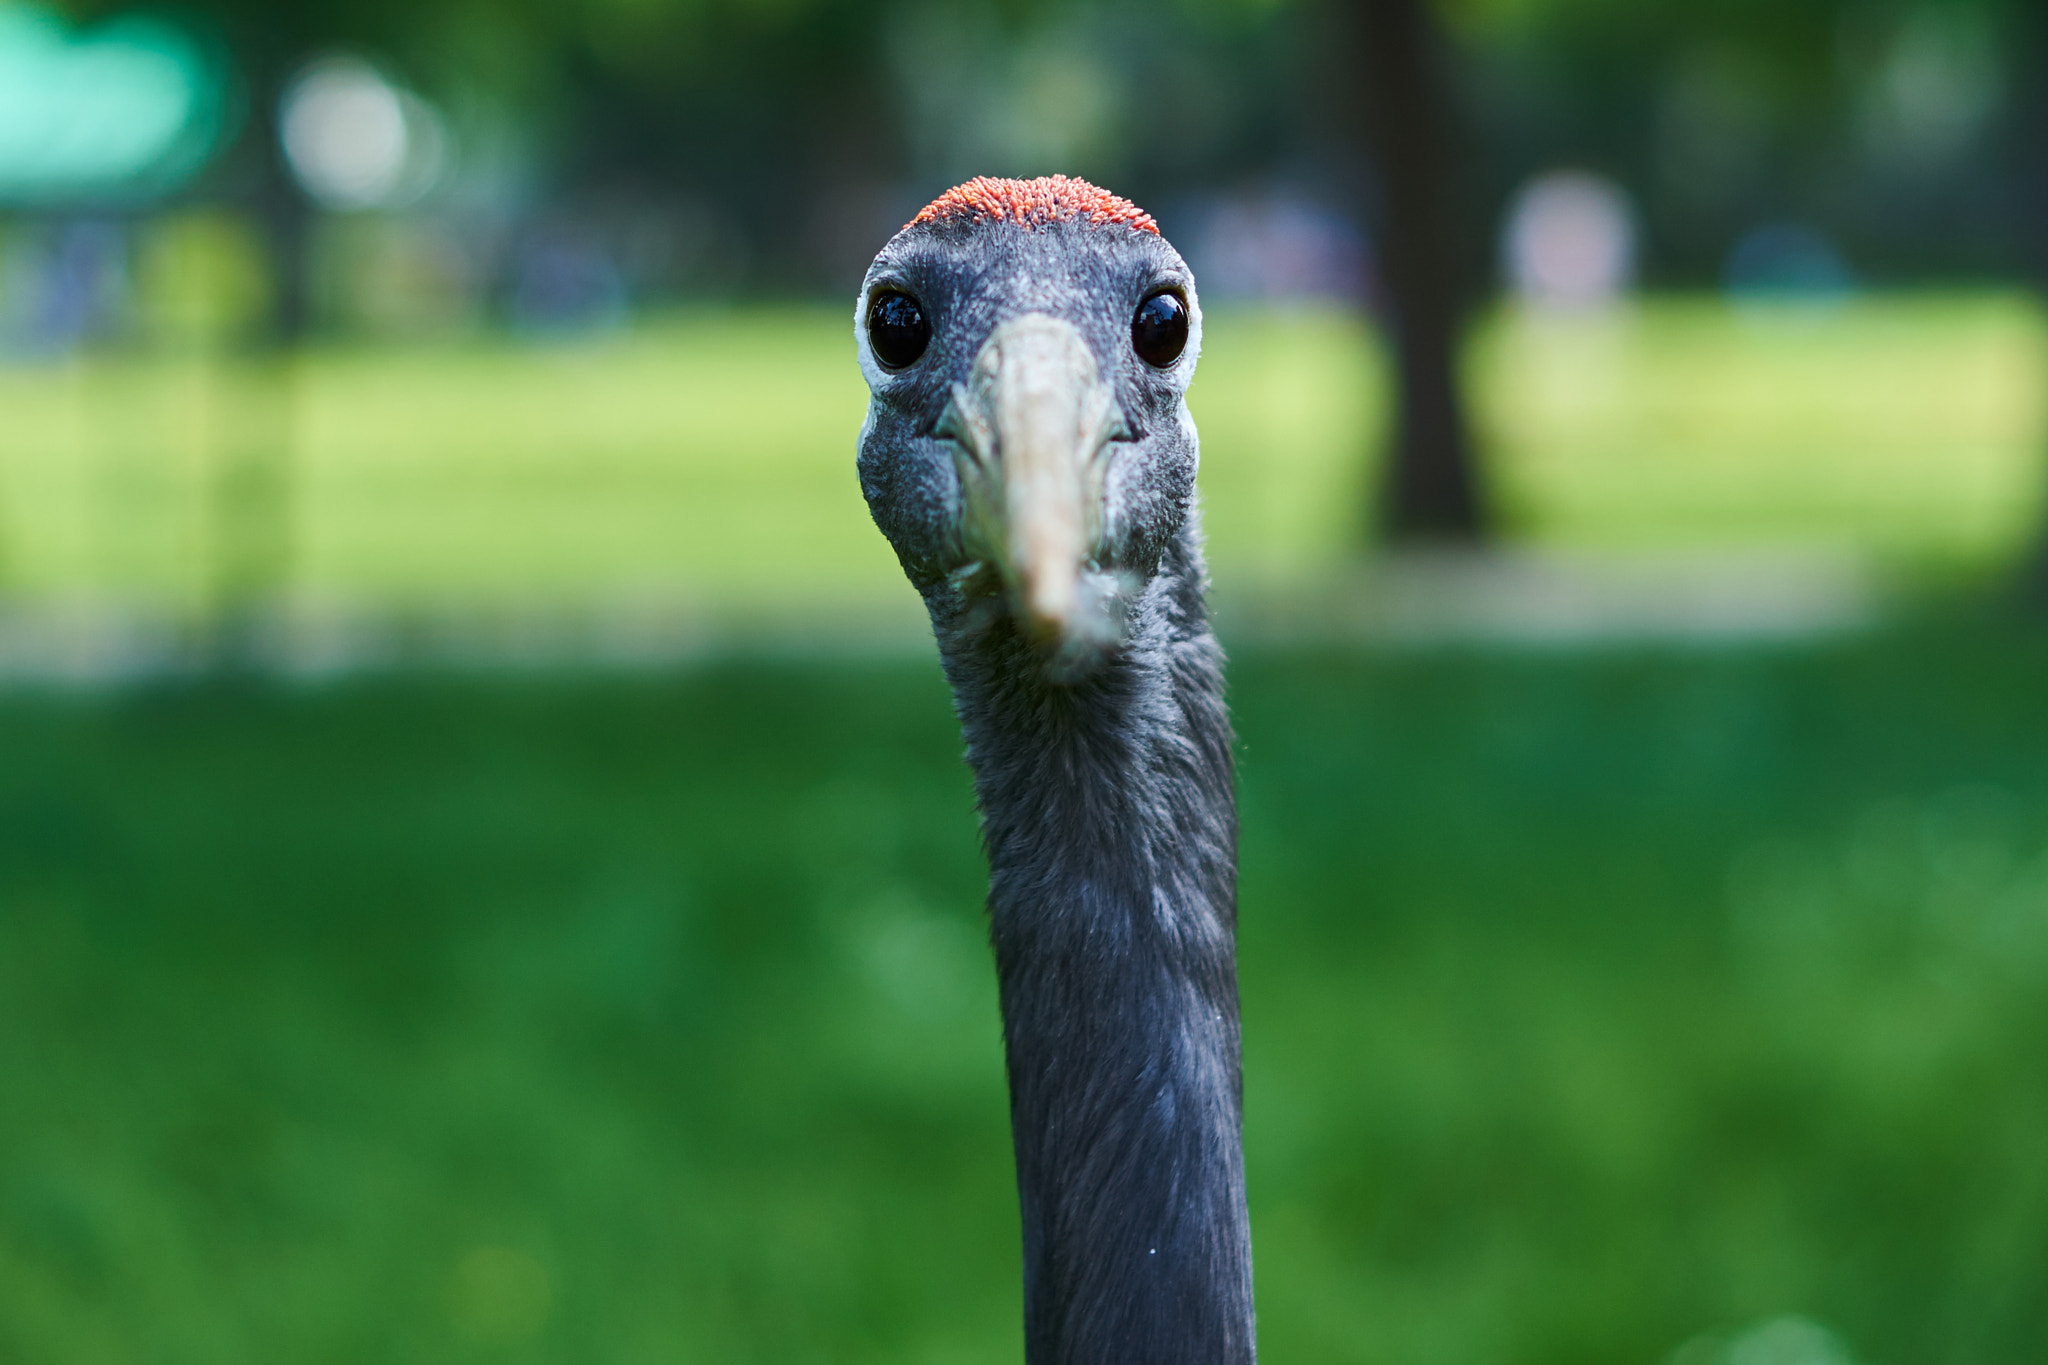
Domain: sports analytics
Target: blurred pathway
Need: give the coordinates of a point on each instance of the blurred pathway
(1517, 598)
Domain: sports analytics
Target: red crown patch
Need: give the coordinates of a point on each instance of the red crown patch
(1033, 203)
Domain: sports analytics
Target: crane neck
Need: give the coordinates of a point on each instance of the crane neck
(1109, 819)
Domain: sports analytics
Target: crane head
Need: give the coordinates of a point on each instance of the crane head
(1028, 449)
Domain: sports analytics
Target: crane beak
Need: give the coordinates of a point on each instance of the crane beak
(1032, 427)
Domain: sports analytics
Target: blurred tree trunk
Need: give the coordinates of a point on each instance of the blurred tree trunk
(1401, 58)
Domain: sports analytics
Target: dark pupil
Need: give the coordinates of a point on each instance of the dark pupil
(897, 329)
(1160, 331)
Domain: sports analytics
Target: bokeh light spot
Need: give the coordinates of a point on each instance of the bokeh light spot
(357, 141)
(1570, 240)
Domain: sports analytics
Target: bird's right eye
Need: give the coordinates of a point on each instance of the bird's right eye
(897, 329)
(1159, 333)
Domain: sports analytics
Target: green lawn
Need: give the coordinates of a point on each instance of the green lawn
(1594, 1003)
(708, 456)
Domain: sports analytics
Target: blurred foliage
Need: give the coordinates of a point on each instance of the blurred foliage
(792, 116)
(1595, 1003)
(1897, 125)
(1894, 124)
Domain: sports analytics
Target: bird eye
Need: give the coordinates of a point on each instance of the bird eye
(1159, 333)
(897, 329)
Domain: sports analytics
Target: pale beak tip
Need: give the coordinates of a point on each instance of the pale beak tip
(1049, 602)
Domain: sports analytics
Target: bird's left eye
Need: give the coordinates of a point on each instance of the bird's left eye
(897, 329)
(1159, 333)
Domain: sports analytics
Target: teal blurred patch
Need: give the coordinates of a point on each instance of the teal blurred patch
(131, 110)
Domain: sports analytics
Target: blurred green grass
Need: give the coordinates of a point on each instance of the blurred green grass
(1593, 1001)
(708, 455)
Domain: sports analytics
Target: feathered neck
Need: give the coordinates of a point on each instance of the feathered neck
(1110, 824)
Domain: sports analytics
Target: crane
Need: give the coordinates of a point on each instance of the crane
(1029, 454)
